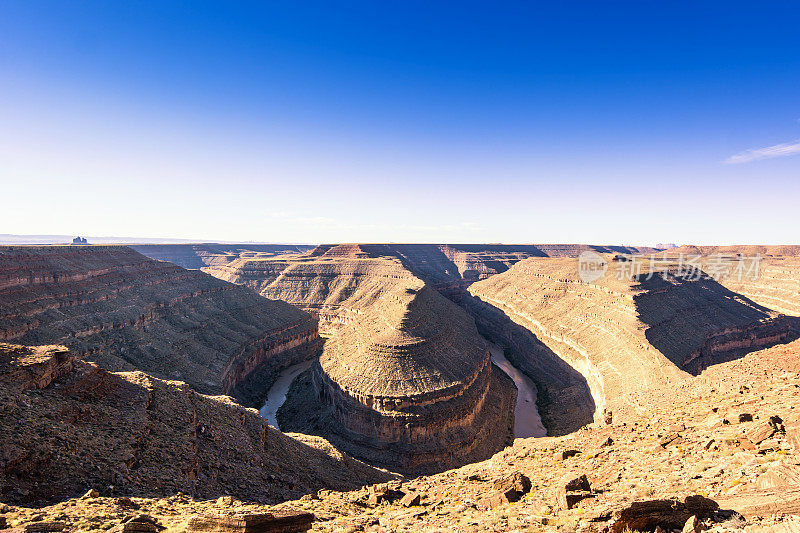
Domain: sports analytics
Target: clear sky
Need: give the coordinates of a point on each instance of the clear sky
(603, 122)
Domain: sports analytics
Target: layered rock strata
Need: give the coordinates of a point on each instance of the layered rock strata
(114, 306)
(447, 268)
(212, 255)
(408, 386)
(335, 290)
(69, 426)
(622, 334)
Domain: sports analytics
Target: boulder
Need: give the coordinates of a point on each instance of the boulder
(508, 489)
(410, 499)
(668, 514)
(284, 522)
(765, 430)
(692, 525)
(45, 527)
(571, 489)
(514, 485)
(566, 454)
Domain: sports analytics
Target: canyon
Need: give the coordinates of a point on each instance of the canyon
(623, 334)
(124, 311)
(415, 365)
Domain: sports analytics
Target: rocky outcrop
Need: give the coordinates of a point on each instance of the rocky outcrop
(408, 386)
(623, 334)
(286, 522)
(112, 305)
(69, 426)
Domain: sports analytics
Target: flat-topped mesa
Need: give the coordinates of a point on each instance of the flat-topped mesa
(114, 306)
(408, 386)
(68, 425)
(622, 333)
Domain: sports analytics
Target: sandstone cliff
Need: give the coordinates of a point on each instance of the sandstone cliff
(210, 255)
(767, 275)
(408, 385)
(336, 290)
(623, 335)
(447, 268)
(69, 426)
(114, 306)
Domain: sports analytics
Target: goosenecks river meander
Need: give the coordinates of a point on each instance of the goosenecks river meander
(527, 422)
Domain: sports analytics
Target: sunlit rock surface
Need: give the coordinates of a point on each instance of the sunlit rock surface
(114, 306)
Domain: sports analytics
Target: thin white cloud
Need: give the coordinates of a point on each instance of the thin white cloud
(779, 150)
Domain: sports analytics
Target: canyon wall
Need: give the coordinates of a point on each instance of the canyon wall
(199, 256)
(114, 306)
(336, 280)
(336, 290)
(622, 334)
(69, 426)
(776, 285)
(408, 386)
(767, 275)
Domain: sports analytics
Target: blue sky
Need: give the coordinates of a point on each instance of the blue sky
(621, 123)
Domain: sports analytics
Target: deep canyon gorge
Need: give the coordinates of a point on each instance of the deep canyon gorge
(378, 362)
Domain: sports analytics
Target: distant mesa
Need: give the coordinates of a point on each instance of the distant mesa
(80, 240)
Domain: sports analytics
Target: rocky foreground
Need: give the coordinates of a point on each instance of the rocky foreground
(68, 425)
(719, 451)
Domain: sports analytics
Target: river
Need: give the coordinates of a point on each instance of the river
(527, 422)
(277, 393)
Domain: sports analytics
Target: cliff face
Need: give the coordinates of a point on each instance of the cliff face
(210, 255)
(68, 425)
(767, 275)
(776, 286)
(409, 386)
(447, 268)
(622, 335)
(112, 305)
(336, 290)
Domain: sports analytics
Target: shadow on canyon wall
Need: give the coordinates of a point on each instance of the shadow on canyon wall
(698, 323)
(564, 400)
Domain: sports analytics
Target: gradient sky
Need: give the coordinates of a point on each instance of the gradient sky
(602, 122)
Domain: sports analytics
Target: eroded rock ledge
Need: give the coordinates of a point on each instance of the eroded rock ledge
(408, 386)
